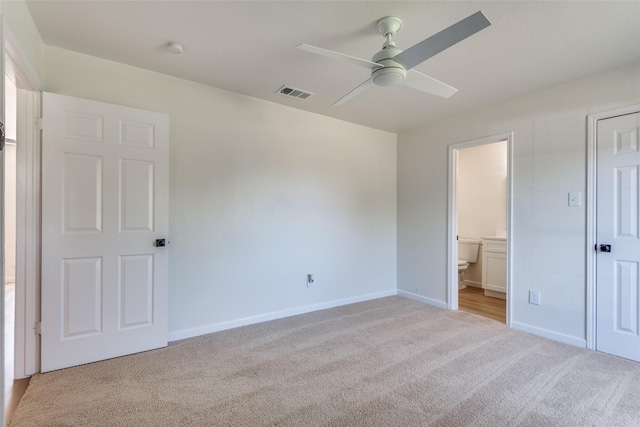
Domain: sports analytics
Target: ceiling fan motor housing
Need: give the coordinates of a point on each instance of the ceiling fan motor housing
(392, 72)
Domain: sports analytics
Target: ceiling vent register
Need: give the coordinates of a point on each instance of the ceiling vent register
(293, 92)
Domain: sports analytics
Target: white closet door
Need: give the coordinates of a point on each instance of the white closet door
(618, 225)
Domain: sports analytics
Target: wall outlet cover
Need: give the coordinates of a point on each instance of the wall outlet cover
(534, 297)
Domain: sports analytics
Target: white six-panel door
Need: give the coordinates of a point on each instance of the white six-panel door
(618, 198)
(104, 203)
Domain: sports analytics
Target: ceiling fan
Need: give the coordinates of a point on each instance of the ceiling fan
(392, 66)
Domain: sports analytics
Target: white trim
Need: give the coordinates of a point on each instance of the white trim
(473, 283)
(26, 358)
(27, 351)
(592, 121)
(510, 142)
(2, 296)
(217, 327)
(552, 335)
(422, 299)
(452, 229)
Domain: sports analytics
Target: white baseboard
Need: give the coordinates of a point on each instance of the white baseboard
(422, 299)
(216, 327)
(546, 333)
(473, 284)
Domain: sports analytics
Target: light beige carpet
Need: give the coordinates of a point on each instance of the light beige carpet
(388, 362)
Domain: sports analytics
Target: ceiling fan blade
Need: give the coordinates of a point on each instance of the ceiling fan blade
(336, 55)
(422, 82)
(355, 92)
(442, 40)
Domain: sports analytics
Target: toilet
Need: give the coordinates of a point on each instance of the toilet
(467, 254)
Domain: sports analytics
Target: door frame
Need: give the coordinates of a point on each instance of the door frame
(452, 226)
(591, 194)
(27, 290)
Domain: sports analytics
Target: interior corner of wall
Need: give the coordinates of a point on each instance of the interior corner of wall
(22, 41)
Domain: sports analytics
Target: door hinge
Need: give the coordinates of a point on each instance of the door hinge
(38, 328)
(39, 123)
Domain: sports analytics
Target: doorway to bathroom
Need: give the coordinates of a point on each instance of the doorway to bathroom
(479, 219)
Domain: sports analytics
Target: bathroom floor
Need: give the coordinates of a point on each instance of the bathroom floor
(474, 301)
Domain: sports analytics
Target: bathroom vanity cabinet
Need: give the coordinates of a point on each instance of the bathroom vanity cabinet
(494, 266)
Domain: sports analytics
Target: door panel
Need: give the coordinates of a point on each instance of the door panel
(626, 297)
(82, 299)
(618, 194)
(82, 193)
(137, 134)
(83, 127)
(627, 202)
(136, 195)
(136, 290)
(105, 202)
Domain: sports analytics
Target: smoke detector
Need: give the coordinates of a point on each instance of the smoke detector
(175, 48)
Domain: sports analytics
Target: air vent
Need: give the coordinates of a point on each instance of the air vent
(292, 92)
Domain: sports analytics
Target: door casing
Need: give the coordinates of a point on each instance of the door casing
(27, 351)
(592, 157)
(452, 227)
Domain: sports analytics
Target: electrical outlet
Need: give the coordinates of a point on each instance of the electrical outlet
(534, 297)
(310, 281)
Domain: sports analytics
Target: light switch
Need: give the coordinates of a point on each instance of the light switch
(574, 198)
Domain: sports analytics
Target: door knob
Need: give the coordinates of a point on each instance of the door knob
(160, 243)
(605, 248)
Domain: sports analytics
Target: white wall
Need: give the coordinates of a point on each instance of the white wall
(261, 195)
(23, 34)
(481, 196)
(549, 161)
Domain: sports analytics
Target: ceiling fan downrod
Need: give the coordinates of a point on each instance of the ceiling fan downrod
(391, 73)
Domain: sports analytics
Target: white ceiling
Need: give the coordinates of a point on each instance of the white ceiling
(249, 47)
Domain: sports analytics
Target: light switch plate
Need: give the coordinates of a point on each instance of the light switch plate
(575, 198)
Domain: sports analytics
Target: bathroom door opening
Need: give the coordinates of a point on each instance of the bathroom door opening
(480, 214)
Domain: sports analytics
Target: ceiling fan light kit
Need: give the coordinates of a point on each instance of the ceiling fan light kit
(392, 66)
(390, 72)
(388, 76)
